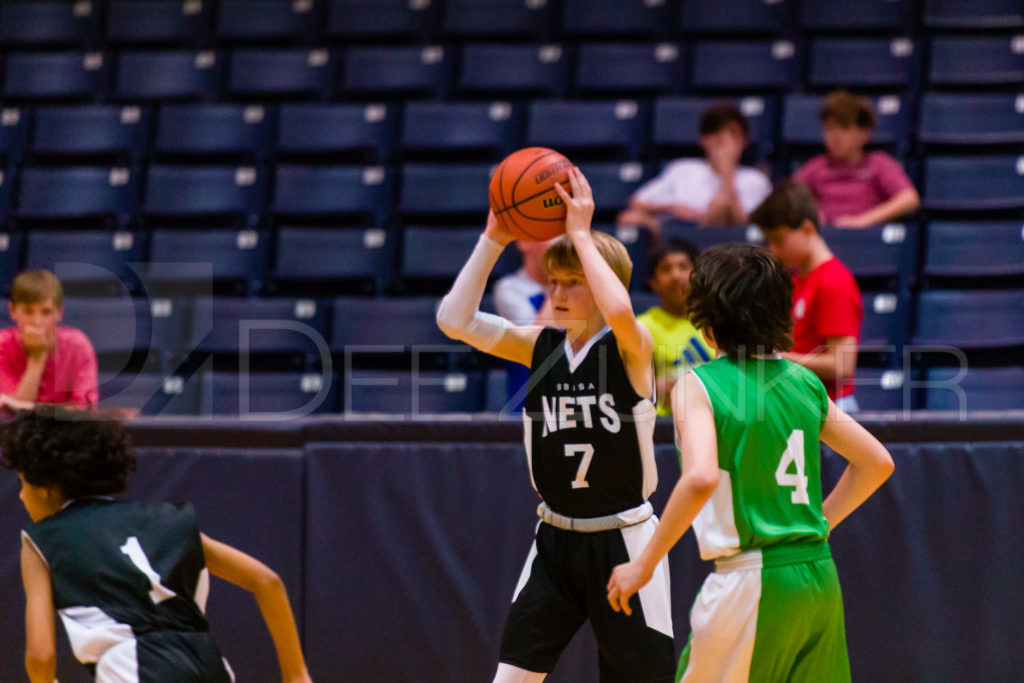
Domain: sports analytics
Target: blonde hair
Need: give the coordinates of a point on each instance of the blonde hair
(35, 286)
(561, 255)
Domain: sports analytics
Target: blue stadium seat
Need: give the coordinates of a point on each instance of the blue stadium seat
(434, 256)
(629, 68)
(613, 183)
(486, 19)
(362, 192)
(976, 60)
(886, 254)
(883, 389)
(396, 72)
(157, 22)
(876, 16)
(49, 23)
(974, 14)
(512, 70)
(123, 328)
(982, 388)
(311, 130)
(445, 190)
(973, 249)
(294, 328)
(93, 131)
(420, 395)
(77, 256)
(268, 395)
(389, 324)
(6, 198)
(578, 127)
(616, 18)
(752, 66)
(487, 129)
(318, 257)
(78, 192)
(167, 75)
(383, 20)
(863, 62)
(282, 73)
(10, 259)
(886, 321)
(980, 319)
(149, 393)
(265, 21)
(187, 261)
(51, 76)
(205, 191)
(801, 122)
(971, 119)
(740, 17)
(973, 182)
(676, 123)
(214, 130)
(705, 238)
(14, 127)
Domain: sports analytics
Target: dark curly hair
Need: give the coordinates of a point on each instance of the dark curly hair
(744, 295)
(80, 453)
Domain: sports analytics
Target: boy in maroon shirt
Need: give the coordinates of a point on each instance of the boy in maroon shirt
(854, 188)
(827, 309)
(40, 360)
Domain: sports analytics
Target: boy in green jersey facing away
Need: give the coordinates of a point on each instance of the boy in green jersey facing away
(748, 426)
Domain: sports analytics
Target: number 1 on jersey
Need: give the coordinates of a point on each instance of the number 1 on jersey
(158, 591)
(794, 453)
(587, 451)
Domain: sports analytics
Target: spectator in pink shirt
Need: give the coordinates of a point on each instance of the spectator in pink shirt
(854, 188)
(40, 360)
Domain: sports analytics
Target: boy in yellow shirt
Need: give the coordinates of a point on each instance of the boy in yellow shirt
(678, 346)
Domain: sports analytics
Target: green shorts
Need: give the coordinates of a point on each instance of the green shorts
(769, 615)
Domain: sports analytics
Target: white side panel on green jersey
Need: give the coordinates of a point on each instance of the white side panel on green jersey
(724, 627)
(715, 524)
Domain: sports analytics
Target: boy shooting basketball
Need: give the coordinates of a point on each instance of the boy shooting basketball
(747, 427)
(589, 421)
(129, 581)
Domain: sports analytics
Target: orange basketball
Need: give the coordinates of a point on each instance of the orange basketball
(523, 195)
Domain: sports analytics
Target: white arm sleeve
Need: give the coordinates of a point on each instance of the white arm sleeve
(458, 315)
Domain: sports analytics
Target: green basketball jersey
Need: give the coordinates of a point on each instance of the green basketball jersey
(768, 418)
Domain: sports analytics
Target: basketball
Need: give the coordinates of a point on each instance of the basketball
(523, 195)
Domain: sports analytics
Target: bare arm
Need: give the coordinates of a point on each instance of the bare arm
(612, 298)
(870, 464)
(28, 386)
(247, 572)
(698, 446)
(459, 316)
(835, 363)
(40, 623)
(896, 206)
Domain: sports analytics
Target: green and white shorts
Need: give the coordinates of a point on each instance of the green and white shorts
(769, 615)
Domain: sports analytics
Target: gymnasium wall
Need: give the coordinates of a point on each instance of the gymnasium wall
(401, 543)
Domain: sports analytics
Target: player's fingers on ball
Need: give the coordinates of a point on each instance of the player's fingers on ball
(584, 183)
(562, 192)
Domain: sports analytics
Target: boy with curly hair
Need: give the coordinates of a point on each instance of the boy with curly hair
(128, 580)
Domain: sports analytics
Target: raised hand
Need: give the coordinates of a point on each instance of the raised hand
(579, 206)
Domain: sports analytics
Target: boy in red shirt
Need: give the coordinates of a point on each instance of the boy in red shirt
(40, 360)
(827, 309)
(854, 188)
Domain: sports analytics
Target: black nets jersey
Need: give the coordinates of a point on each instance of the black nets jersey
(589, 436)
(123, 571)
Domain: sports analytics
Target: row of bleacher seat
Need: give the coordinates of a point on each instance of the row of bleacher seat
(311, 260)
(630, 129)
(197, 22)
(425, 395)
(166, 194)
(496, 69)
